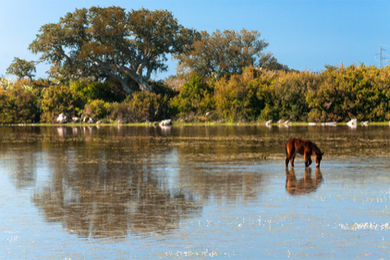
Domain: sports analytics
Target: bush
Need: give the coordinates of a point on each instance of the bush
(109, 90)
(237, 98)
(59, 99)
(144, 106)
(97, 109)
(19, 105)
(196, 96)
(354, 92)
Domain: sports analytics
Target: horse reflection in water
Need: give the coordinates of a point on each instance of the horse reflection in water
(305, 185)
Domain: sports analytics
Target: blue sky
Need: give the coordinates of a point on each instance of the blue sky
(305, 35)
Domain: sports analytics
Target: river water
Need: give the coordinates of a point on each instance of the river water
(192, 192)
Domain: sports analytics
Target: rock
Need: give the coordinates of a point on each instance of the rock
(91, 120)
(352, 122)
(85, 119)
(75, 119)
(208, 114)
(100, 121)
(312, 123)
(365, 123)
(287, 122)
(61, 118)
(268, 122)
(280, 121)
(155, 123)
(329, 123)
(166, 122)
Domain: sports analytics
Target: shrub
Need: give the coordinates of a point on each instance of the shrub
(354, 92)
(236, 98)
(19, 105)
(97, 109)
(59, 99)
(196, 96)
(109, 90)
(119, 111)
(144, 106)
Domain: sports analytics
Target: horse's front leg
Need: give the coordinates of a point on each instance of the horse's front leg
(307, 160)
(292, 159)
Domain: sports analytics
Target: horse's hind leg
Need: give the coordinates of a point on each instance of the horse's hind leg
(287, 160)
(290, 158)
(288, 155)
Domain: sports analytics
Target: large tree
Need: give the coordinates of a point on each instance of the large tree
(226, 52)
(22, 68)
(109, 42)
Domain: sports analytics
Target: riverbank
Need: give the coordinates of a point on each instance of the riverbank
(200, 123)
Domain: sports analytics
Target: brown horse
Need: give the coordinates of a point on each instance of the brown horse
(304, 147)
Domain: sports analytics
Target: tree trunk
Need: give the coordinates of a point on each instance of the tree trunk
(143, 85)
(125, 86)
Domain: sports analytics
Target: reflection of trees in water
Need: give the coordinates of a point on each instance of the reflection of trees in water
(111, 181)
(305, 185)
(236, 186)
(20, 162)
(208, 180)
(107, 183)
(108, 190)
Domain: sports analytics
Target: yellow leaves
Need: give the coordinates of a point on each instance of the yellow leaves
(93, 49)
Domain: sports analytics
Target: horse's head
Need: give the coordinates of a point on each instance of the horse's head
(318, 158)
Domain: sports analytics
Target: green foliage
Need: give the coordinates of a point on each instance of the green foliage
(195, 96)
(140, 107)
(22, 68)
(236, 98)
(119, 112)
(354, 92)
(89, 90)
(59, 99)
(19, 104)
(97, 109)
(144, 106)
(111, 43)
(226, 53)
(291, 89)
(336, 94)
(5, 83)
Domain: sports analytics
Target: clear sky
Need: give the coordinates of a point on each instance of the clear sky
(304, 35)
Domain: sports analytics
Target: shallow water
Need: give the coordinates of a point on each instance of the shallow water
(192, 192)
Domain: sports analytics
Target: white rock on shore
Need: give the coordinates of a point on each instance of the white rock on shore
(166, 122)
(62, 118)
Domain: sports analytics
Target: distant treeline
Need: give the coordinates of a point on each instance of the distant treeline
(335, 94)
